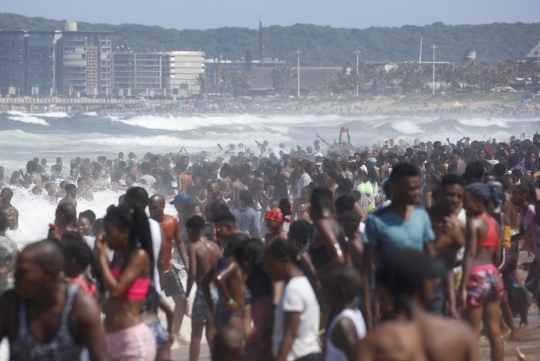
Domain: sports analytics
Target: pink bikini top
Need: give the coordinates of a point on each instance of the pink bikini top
(138, 289)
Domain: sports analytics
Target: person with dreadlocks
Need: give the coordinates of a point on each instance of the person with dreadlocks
(127, 280)
(482, 286)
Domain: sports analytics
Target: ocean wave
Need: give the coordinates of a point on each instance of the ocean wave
(52, 115)
(179, 123)
(26, 118)
(484, 122)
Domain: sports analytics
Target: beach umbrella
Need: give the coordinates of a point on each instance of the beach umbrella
(456, 105)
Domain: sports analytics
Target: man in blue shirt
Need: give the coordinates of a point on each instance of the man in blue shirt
(247, 219)
(400, 225)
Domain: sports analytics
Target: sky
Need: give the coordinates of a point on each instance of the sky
(209, 14)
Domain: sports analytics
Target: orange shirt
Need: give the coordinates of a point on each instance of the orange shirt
(171, 228)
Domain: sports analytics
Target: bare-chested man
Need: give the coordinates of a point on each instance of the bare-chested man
(227, 276)
(184, 180)
(13, 213)
(31, 176)
(84, 191)
(449, 238)
(406, 278)
(237, 186)
(66, 216)
(71, 194)
(202, 254)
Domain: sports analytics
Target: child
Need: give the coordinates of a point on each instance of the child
(79, 256)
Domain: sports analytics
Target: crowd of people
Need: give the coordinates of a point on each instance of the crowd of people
(399, 252)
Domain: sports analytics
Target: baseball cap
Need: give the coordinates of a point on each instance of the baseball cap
(182, 198)
(404, 270)
(372, 161)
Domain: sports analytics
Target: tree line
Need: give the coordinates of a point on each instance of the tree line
(320, 45)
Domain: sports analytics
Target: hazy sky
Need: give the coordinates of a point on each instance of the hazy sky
(204, 14)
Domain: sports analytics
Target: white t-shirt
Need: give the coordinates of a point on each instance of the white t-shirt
(304, 181)
(298, 296)
(150, 180)
(155, 231)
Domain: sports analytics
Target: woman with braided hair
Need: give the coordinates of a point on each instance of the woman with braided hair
(127, 280)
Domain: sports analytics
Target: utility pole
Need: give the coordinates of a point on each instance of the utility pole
(357, 52)
(433, 47)
(298, 70)
(420, 59)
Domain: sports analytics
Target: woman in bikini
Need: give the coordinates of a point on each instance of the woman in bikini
(127, 280)
(482, 287)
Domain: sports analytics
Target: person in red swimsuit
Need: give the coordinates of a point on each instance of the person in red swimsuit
(171, 278)
(482, 287)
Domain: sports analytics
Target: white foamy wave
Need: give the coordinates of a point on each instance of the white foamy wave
(36, 213)
(179, 123)
(91, 114)
(52, 115)
(26, 118)
(165, 143)
(406, 127)
(485, 122)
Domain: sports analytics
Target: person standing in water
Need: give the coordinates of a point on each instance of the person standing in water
(5, 201)
(71, 194)
(8, 253)
(183, 179)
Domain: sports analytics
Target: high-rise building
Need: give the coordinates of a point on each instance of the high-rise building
(12, 61)
(41, 61)
(55, 62)
(84, 64)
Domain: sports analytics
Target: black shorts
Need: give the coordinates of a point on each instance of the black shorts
(172, 284)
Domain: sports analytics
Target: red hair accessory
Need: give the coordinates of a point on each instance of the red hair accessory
(275, 214)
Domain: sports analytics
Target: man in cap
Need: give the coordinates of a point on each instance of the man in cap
(406, 278)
